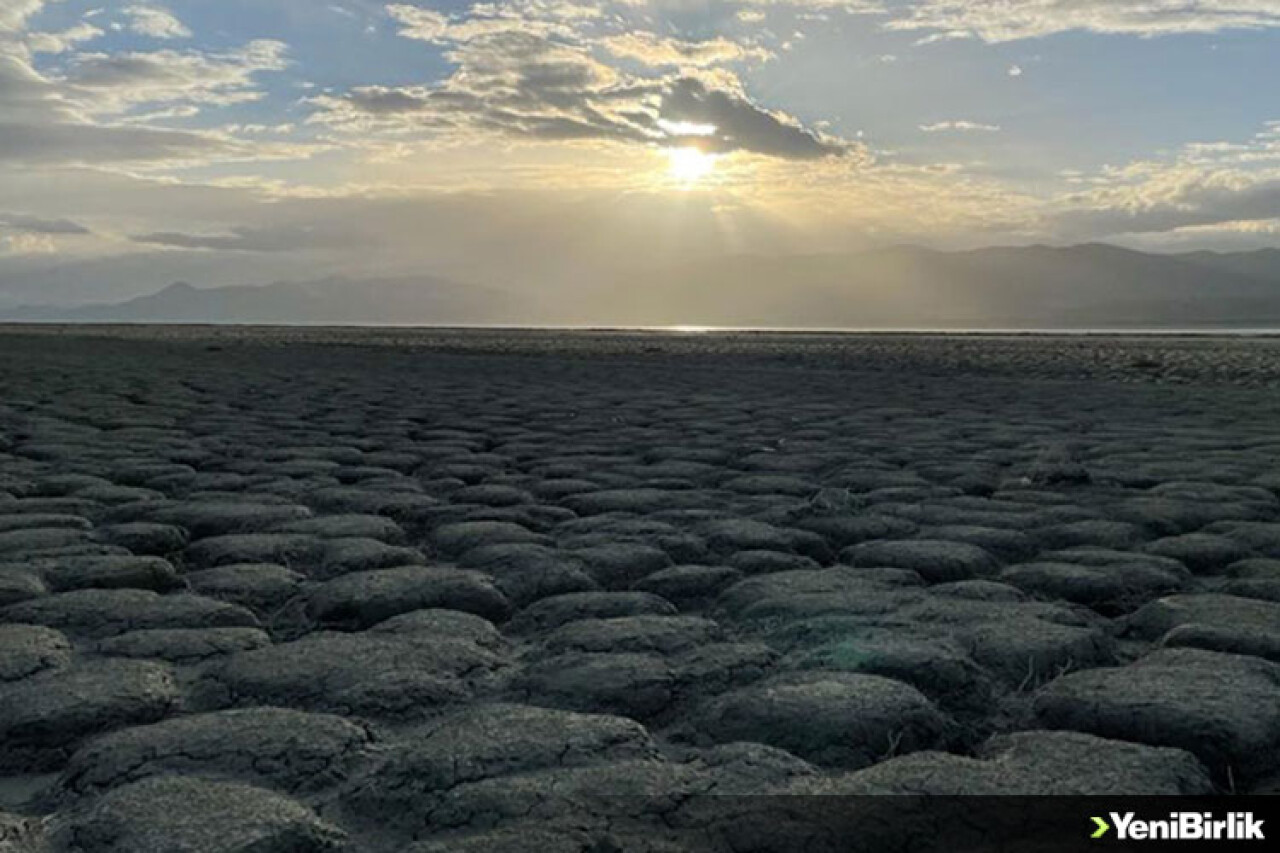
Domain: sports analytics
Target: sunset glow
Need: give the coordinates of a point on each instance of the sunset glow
(538, 144)
(689, 165)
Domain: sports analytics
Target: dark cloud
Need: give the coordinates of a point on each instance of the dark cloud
(534, 85)
(65, 142)
(741, 124)
(39, 126)
(1197, 206)
(245, 239)
(115, 82)
(37, 225)
(380, 100)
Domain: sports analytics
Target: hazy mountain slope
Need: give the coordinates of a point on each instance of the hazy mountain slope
(334, 300)
(1086, 286)
(1263, 263)
(1036, 286)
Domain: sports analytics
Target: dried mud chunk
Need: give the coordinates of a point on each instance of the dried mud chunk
(1224, 623)
(175, 813)
(216, 518)
(142, 537)
(16, 543)
(96, 613)
(484, 742)
(1039, 763)
(1107, 589)
(645, 634)
(1205, 608)
(287, 549)
(829, 718)
(689, 585)
(108, 572)
(1223, 708)
(183, 645)
(347, 526)
(44, 717)
(444, 623)
(19, 585)
(1024, 650)
(260, 586)
(634, 685)
(619, 565)
(1202, 553)
(937, 561)
(274, 747)
(366, 598)
(378, 674)
(526, 573)
(550, 613)
(28, 649)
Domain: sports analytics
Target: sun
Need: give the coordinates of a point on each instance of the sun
(689, 165)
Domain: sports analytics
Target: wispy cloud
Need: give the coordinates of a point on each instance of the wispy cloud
(658, 51)
(1011, 20)
(14, 14)
(156, 22)
(960, 127)
(40, 225)
(279, 238)
(82, 115)
(61, 42)
(1203, 184)
(114, 82)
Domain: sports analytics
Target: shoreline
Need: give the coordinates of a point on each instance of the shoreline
(1245, 360)
(17, 327)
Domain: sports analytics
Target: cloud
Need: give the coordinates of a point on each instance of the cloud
(38, 225)
(657, 51)
(156, 22)
(531, 71)
(533, 17)
(1011, 20)
(418, 23)
(61, 42)
(246, 239)
(115, 82)
(15, 13)
(960, 126)
(24, 243)
(81, 115)
(743, 125)
(1199, 200)
(1203, 185)
(39, 125)
(66, 143)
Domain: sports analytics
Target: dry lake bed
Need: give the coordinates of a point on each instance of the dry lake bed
(292, 590)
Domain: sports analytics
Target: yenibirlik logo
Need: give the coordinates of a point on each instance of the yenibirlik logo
(1182, 826)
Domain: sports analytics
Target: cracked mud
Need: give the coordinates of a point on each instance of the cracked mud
(312, 590)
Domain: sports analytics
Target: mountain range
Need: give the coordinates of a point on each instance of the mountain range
(1094, 286)
(336, 300)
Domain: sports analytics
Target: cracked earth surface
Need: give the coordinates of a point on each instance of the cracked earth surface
(309, 590)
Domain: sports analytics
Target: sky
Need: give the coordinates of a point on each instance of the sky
(539, 142)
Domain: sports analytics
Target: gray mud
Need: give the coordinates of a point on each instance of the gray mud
(336, 589)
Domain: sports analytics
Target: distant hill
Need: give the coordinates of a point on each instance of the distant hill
(1086, 286)
(331, 300)
(1263, 263)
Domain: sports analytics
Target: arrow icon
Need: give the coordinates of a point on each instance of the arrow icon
(1103, 826)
